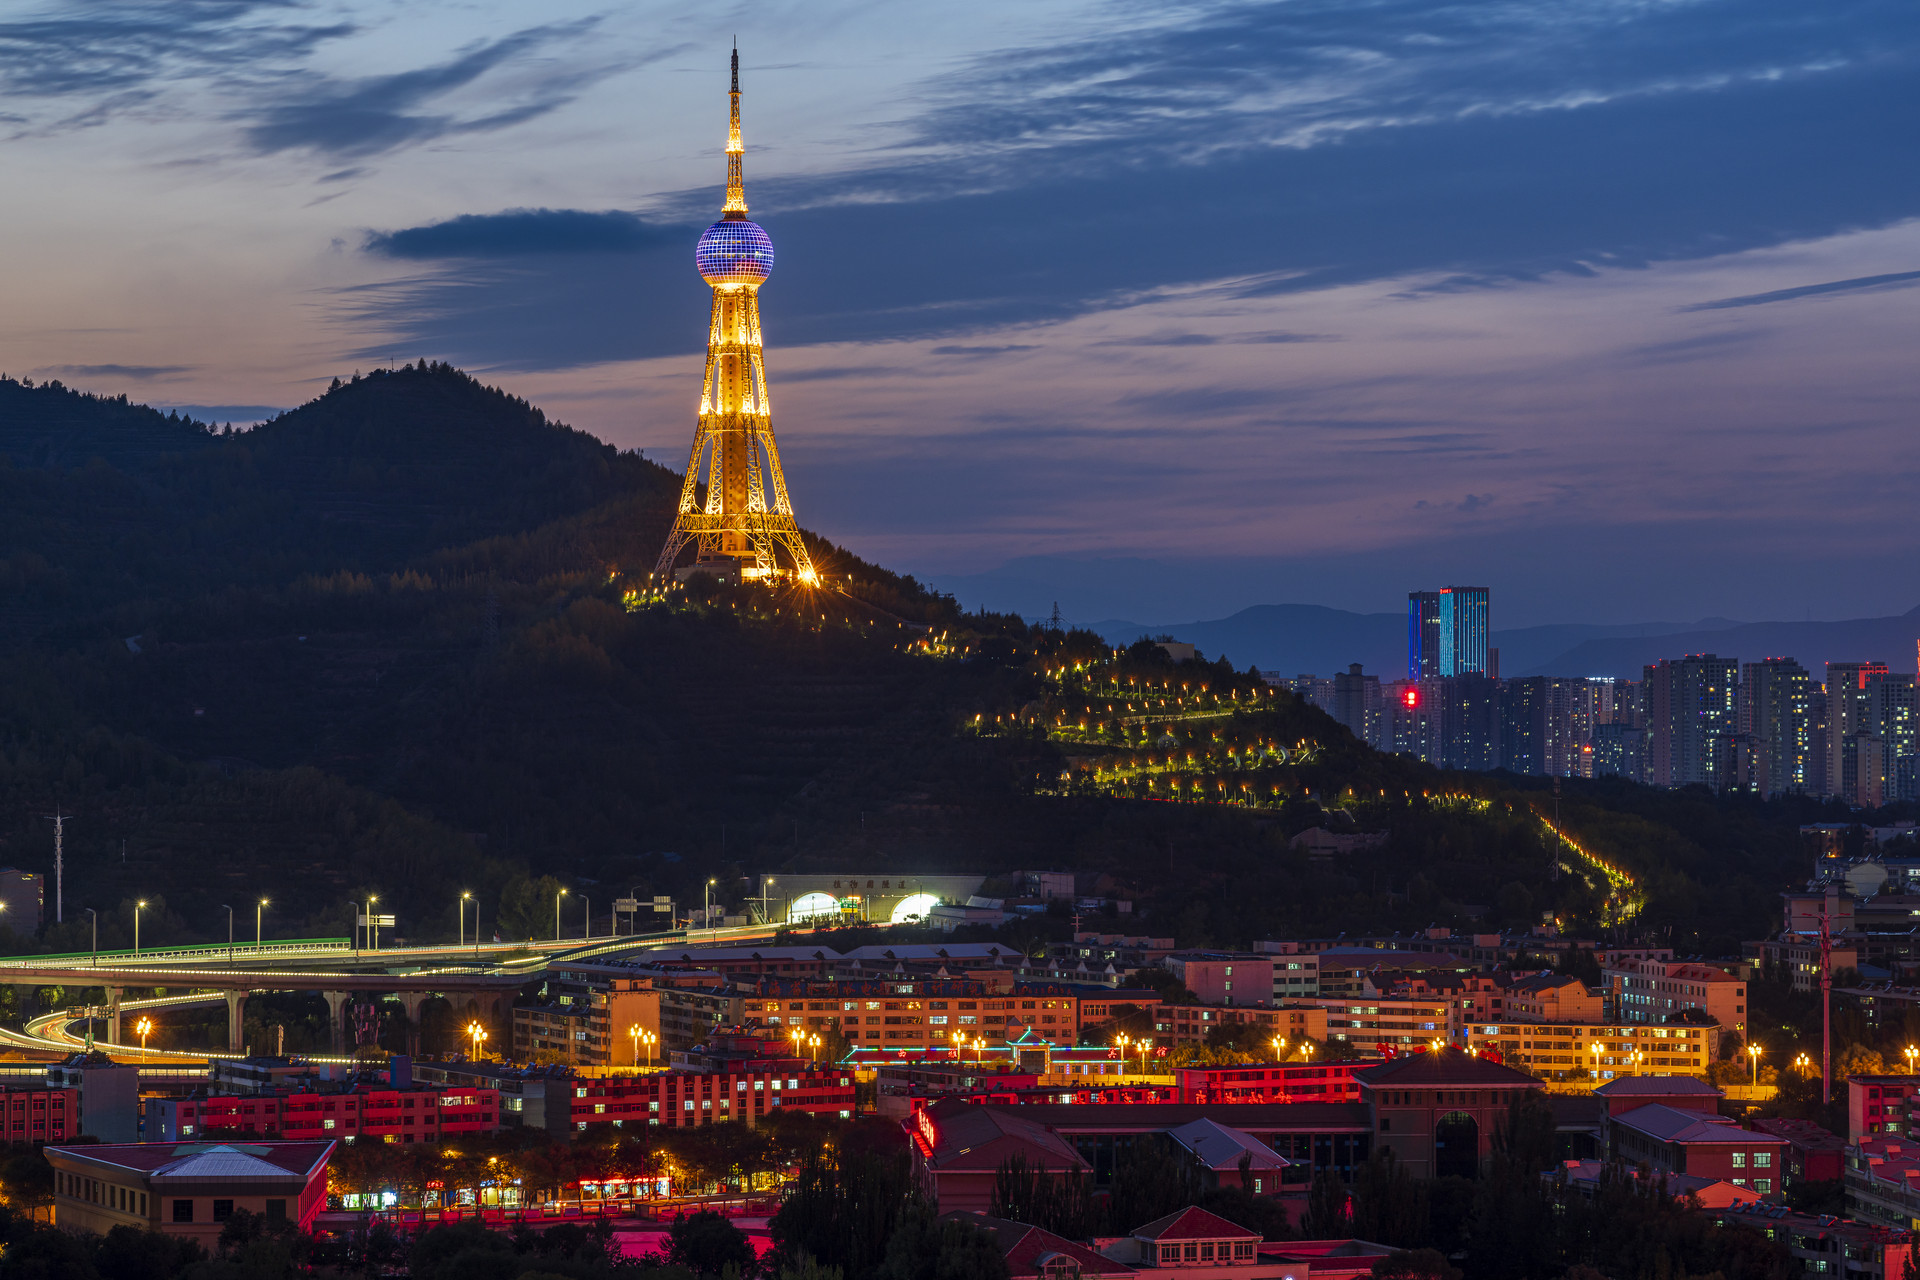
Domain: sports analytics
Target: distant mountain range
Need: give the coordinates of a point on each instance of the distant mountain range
(1291, 639)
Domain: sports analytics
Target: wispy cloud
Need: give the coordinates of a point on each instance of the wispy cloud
(1859, 284)
(374, 114)
(134, 371)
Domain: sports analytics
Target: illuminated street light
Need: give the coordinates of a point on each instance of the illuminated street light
(144, 1028)
(136, 926)
(1753, 1053)
(259, 910)
(556, 913)
(478, 1035)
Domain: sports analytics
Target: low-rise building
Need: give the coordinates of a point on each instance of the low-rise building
(1608, 1051)
(1671, 1140)
(1682, 1093)
(1438, 1112)
(38, 1115)
(909, 1012)
(405, 1114)
(1883, 1181)
(1225, 979)
(1878, 1105)
(190, 1189)
(747, 1091)
(1554, 997)
(1827, 1246)
(1193, 1023)
(109, 1094)
(1814, 1154)
(1272, 1082)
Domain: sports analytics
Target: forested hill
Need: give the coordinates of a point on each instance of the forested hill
(389, 643)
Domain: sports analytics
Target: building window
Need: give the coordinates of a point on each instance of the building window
(1739, 1159)
(183, 1210)
(276, 1211)
(1763, 1159)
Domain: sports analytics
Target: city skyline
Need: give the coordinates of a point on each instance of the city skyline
(1591, 303)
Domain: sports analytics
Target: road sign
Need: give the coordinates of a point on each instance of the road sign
(382, 922)
(626, 904)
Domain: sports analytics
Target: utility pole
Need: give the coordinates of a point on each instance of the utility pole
(59, 821)
(1826, 1003)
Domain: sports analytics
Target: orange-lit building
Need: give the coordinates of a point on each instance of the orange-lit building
(187, 1189)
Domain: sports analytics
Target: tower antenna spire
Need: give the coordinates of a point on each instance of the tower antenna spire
(735, 209)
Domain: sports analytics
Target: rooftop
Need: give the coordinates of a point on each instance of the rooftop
(1220, 1148)
(1193, 1223)
(1672, 1125)
(208, 1161)
(1658, 1087)
(975, 1137)
(1447, 1068)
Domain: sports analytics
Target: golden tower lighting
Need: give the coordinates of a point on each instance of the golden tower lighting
(740, 530)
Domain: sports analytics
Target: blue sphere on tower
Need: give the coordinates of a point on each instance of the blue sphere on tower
(734, 251)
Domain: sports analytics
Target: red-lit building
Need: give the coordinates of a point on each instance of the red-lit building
(1877, 1106)
(746, 1090)
(1814, 1154)
(1272, 1082)
(1669, 1140)
(40, 1115)
(378, 1114)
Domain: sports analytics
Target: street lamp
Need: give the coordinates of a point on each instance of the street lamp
(373, 929)
(814, 1042)
(1804, 1064)
(1911, 1053)
(634, 1033)
(136, 926)
(145, 1028)
(477, 1034)
(461, 927)
(556, 913)
(1146, 1046)
(589, 901)
(1594, 1049)
(259, 910)
(1279, 1044)
(706, 906)
(1753, 1053)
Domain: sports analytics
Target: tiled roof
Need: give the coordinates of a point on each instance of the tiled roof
(1448, 1068)
(221, 1161)
(1220, 1148)
(1657, 1087)
(1027, 1247)
(1158, 1117)
(976, 1137)
(1193, 1223)
(1672, 1125)
(1802, 1133)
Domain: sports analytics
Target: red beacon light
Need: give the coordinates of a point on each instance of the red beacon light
(1411, 697)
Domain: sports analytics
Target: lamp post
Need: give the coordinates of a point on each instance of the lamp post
(96, 932)
(259, 910)
(373, 928)
(556, 913)
(229, 911)
(1803, 1064)
(1594, 1049)
(633, 1033)
(460, 928)
(706, 906)
(589, 901)
(478, 1035)
(1146, 1047)
(145, 1028)
(1753, 1054)
(136, 926)
(1279, 1044)
(1911, 1053)
(813, 1041)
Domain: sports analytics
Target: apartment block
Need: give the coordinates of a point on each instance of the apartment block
(1554, 1051)
(1553, 997)
(747, 1091)
(1661, 991)
(1223, 979)
(908, 1013)
(39, 1115)
(400, 1115)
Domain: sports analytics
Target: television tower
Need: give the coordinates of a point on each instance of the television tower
(738, 530)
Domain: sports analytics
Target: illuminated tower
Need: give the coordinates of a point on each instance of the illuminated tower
(738, 529)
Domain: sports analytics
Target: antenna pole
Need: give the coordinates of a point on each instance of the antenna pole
(59, 864)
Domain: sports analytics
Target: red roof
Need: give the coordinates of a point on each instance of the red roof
(1194, 1223)
(973, 1137)
(1026, 1248)
(1448, 1068)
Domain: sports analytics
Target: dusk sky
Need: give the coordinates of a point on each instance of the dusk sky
(1157, 310)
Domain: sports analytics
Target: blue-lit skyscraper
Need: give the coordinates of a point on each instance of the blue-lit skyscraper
(1447, 632)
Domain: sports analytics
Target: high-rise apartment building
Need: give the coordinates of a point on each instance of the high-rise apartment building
(1471, 728)
(1776, 718)
(1692, 715)
(1359, 705)
(1848, 716)
(1447, 632)
(1890, 717)
(1539, 729)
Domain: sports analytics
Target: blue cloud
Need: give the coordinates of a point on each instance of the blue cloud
(519, 232)
(1859, 284)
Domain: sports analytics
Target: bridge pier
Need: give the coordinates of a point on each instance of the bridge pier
(336, 1006)
(411, 1002)
(236, 1021)
(114, 996)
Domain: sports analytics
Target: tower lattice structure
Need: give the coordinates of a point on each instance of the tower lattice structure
(746, 521)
